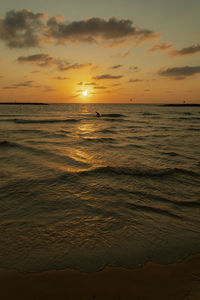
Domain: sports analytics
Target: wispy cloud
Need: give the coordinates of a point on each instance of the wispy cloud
(48, 89)
(46, 60)
(25, 29)
(190, 50)
(160, 47)
(121, 54)
(116, 66)
(25, 84)
(179, 73)
(136, 80)
(61, 78)
(90, 83)
(100, 87)
(107, 76)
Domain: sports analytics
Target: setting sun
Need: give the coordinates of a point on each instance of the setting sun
(85, 93)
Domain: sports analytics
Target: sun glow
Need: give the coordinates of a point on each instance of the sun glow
(85, 93)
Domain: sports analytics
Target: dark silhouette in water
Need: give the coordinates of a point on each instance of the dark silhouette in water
(98, 114)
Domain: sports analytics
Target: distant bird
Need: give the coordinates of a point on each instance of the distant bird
(131, 99)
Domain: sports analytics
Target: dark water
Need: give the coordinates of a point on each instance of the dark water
(84, 192)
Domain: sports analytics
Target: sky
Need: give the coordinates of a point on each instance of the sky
(111, 51)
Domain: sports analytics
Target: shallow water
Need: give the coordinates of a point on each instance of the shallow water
(84, 192)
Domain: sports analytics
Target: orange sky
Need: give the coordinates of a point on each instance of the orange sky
(144, 51)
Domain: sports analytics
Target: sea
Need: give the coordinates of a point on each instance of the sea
(84, 192)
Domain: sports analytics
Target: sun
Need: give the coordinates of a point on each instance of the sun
(85, 93)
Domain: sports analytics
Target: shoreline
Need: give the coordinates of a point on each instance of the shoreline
(177, 281)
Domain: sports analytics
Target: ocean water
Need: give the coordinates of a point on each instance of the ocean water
(85, 192)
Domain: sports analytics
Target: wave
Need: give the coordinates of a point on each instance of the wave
(141, 172)
(106, 131)
(150, 114)
(192, 129)
(151, 209)
(6, 120)
(44, 120)
(100, 140)
(114, 120)
(186, 118)
(160, 198)
(113, 115)
(170, 153)
(7, 144)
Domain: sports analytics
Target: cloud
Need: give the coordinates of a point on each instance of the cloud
(61, 78)
(193, 49)
(46, 60)
(100, 87)
(160, 47)
(21, 84)
(41, 60)
(90, 83)
(21, 29)
(107, 76)
(136, 80)
(25, 29)
(179, 73)
(48, 89)
(116, 66)
(121, 54)
(94, 30)
(116, 84)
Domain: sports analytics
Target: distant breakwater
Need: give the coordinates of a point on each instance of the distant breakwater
(194, 104)
(23, 103)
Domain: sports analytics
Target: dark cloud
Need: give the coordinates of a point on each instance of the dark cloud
(135, 80)
(179, 73)
(116, 66)
(21, 84)
(95, 29)
(147, 90)
(160, 47)
(46, 60)
(23, 28)
(41, 60)
(80, 83)
(193, 49)
(107, 76)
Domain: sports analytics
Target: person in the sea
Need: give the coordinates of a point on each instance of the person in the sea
(98, 114)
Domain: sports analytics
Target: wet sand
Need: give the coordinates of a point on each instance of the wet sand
(179, 281)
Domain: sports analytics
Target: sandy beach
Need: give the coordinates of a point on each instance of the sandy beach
(150, 282)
